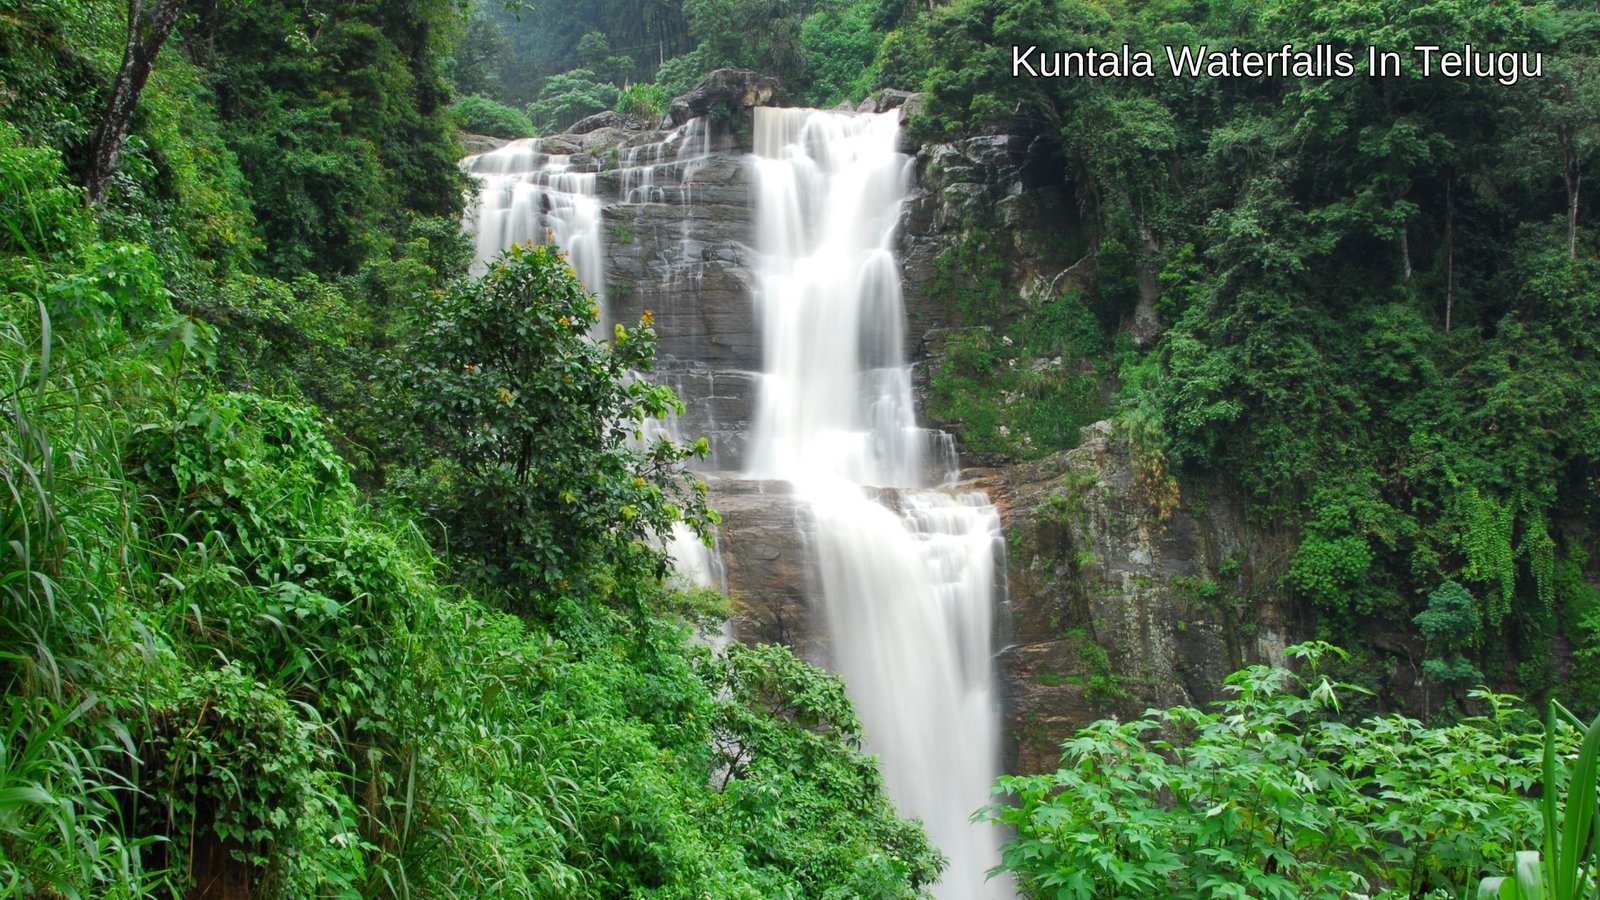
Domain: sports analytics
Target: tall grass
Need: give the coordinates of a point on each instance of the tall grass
(68, 566)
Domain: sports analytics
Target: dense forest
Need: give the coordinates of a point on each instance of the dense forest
(331, 571)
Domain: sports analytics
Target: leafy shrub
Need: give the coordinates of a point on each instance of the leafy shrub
(777, 716)
(1451, 626)
(647, 101)
(1566, 870)
(480, 115)
(524, 429)
(1270, 795)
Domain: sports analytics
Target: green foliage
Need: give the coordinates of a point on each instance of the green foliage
(594, 50)
(753, 34)
(43, 216)
(781, 716)
(971, 276)
(221, 724)
(480, 55)
(1028, 393)
(839, 44)
(224, 665)
(1271, 795)
(1102, 686)
(52, 96)
(1375, 321)
(59, 808)
(570, 96)
(1565, 870)
(528, 433)
(542, 39)
(1450, 625)
(338, 120)
(480, 115)
(680, 73)
(647, 101)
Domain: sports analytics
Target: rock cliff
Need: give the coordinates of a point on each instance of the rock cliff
(1124, 591)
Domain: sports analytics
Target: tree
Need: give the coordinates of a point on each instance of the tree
(540, 470)
(1572, 111)
(570, 96)
(594, 49)
(1451, 625)
(149, 26)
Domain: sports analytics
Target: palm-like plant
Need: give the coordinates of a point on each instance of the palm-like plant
(1565, 870)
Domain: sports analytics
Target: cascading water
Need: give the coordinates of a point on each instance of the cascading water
(525, 195)
(907, 575)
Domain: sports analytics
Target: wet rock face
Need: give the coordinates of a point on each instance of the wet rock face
(766, 558)
(684, 254)
(998, 187)
(608, 119)
(718, 405)
(1115, 607)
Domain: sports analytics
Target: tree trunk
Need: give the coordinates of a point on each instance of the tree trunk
(1146, 321)
(1572, 172)
(148, 28)
(1449, 256)
(1574, 177)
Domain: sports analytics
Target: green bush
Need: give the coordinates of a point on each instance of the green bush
(647, 101)
(1566, 870)
(525, 432)
(1272, 795)
(480, 115)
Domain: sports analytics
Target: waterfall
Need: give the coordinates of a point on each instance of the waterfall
(526, 195)
(905, 568)
(907, 574)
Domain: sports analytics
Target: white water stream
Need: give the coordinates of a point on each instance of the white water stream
(525, 194)
(908, 574)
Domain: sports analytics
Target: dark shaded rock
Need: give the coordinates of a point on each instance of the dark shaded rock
(764, 549)
(689, 264)
(909, 109)
(719, 405)
(607, 119)
(885, 100)
(600, 141)
(997, 188)
(1114, 607)
(561, 145)
(722, 93)
(481, 143)
(892, 98)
